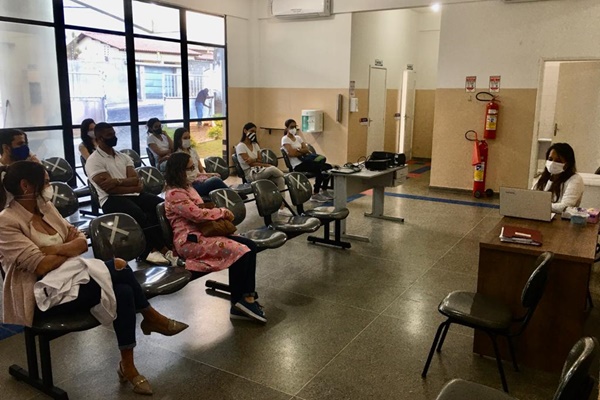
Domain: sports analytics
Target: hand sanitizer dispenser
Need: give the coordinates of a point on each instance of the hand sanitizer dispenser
(312, 121)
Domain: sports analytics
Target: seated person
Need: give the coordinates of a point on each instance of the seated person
(120, 190)
(297, 149)
(159, 142)
(88, 138)
(561, 178)
(35, 240)
(248, 153)
(205, 182)
(185, 210)
(14, 147)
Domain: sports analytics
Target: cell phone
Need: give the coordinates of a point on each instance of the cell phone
(192, 238)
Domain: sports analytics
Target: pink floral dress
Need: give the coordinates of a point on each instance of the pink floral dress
(209, 253)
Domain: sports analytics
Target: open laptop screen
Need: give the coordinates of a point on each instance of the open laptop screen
(523, 203)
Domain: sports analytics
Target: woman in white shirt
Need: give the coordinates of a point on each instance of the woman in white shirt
(248, 153)
(297, 150)
(205, 182)
(561, 178)
(159, 142)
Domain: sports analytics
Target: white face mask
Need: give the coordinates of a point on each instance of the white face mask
(92, 134)
(292, 131)
(186, 143)
(554, 167)
(191, 175)
(48, 193)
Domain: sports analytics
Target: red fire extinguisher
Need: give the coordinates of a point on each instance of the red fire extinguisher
(479, 162)
(492, 111)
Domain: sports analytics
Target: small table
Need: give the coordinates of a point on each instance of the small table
(345, 185)
(559, 318)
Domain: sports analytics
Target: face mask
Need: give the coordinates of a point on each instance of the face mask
(252, 136)
(191, 175)
(157, 131)
(92, 134)
(186, 143)
(20, 153)
(554, 167)
(292, 131)
(48, 193)
(112, 142)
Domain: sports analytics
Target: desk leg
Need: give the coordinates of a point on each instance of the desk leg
(340, 201)
(377, 206)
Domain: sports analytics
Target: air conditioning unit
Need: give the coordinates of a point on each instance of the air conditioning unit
(300, 8)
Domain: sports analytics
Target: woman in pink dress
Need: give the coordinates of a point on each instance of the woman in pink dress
(185, 210)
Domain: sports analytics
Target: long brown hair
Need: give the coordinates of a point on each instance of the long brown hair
(565, 151)
(175, 172)
(12, 175)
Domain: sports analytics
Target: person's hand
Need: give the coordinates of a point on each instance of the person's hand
(140, 187)
(108, 184)
(72, 234)
(49, 250)
(227, 214)
(120, 264)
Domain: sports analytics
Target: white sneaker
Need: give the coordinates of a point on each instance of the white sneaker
(319, 198)
(156, 258)
(327, 194)
(172, 258)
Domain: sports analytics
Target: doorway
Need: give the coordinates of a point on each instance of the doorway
(407, 113)
(377, 97)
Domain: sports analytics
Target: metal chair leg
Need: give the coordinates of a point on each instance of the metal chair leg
(441, 343)
(499, 362)
(513, 356)
(433, 345)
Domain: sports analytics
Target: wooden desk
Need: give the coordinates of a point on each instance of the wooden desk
(559, 318)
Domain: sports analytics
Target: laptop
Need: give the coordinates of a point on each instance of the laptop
(524, 203)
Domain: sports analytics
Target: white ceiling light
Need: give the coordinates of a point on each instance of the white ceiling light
(436, 7)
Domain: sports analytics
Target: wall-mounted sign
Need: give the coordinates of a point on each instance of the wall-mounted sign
(409, 67)
(470, 84)
(397, 116)
(364, 121)
(378, 63)
(352, 87)
(495, 83)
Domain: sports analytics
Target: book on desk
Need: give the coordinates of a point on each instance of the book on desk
(519, 235)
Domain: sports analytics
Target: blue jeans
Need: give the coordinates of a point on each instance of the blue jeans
(130, 299)
(242, 273)
(199, 109)
(204, 188)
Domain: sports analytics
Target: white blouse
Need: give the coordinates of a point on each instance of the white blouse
(571, 193)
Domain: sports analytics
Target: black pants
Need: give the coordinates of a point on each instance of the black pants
(142, 208)
(242, 273)
(318, 169)
(130, 299)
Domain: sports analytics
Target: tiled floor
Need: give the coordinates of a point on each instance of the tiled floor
(343, 324)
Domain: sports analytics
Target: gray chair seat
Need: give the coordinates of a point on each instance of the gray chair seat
(266, 238)
(476, 309)
(459, 389)
(162, 280)
(327, 213)
(63, 323)
(82, 191)
(297, 224)
(242, 188)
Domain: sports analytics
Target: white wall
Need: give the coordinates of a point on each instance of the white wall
(346, 6)
(495, 38)
(304, 53)
(241, 52)
(238, 8)
(428, 47)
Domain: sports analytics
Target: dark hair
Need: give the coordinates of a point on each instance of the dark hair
(101, 127)
(151, 122)
(287, 124)
(248, 126)
(175, 172)
(177, 138)
(565, 151)
(31, 171)
(85, 138)
(8, 135)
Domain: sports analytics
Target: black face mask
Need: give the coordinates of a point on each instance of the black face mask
(112, 142)
(157, 131)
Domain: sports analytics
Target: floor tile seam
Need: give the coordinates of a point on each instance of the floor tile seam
(453, 271)
(336, 355)
(429, 325)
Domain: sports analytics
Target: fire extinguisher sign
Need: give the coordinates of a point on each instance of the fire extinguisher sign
(470, 84)
(495, 83)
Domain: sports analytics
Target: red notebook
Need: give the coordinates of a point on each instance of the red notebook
(516, 234)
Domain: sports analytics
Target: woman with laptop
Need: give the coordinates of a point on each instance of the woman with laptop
(561, 178)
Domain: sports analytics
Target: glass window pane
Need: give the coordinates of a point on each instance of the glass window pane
(38, 10)
(103, 14)
(158, 70)
(207, 82)
(207, 137)
(46, 144)
(28, 76)
(97, 76)
(205, 28)
(169, 128)
(154, 20)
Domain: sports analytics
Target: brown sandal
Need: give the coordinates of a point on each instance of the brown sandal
(140, 383)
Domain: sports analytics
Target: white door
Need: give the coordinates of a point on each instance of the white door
(377, 94)
(577, 116)
(407, 113)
